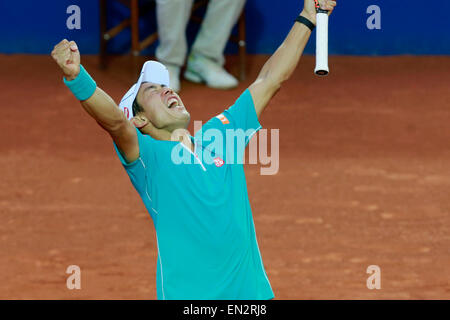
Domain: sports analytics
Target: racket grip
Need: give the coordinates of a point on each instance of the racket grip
(322, 43)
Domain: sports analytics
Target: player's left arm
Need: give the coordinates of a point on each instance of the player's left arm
(283, 62)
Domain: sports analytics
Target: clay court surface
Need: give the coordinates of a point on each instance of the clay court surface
(364, 179)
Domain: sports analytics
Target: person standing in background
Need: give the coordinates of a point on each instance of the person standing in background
(206, 60)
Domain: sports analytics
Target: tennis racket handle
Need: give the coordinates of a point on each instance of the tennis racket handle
(322, 44)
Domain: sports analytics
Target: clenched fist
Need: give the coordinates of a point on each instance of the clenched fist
(67, 57)
(309, 9)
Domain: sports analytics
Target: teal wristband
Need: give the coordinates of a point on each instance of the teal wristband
(83, 86)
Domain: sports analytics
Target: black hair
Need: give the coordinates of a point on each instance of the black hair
(137, 108)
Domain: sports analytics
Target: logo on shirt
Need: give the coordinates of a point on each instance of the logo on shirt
(223, 119)
(218, 162)
(127, 112)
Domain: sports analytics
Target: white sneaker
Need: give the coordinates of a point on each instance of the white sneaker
(201, 69)
(174, 76)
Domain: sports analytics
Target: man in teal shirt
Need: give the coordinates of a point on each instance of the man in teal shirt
(193, 187)
(207, 247)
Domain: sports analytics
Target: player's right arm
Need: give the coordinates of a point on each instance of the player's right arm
(100, 105)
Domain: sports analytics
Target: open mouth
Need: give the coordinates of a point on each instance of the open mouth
(172, 103)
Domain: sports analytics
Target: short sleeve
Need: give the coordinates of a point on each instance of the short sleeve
(229, 133)
(242, 115)
(137, 170)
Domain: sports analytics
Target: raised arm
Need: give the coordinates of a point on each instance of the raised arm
(283, 62)
(99, 105)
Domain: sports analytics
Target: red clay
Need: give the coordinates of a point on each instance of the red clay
(364, 180)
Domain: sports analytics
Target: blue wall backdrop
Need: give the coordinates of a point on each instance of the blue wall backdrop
(407, 27)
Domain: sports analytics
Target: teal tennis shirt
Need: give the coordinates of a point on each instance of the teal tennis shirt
(198, 201)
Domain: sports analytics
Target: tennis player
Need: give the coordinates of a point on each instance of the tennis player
(206, 241)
